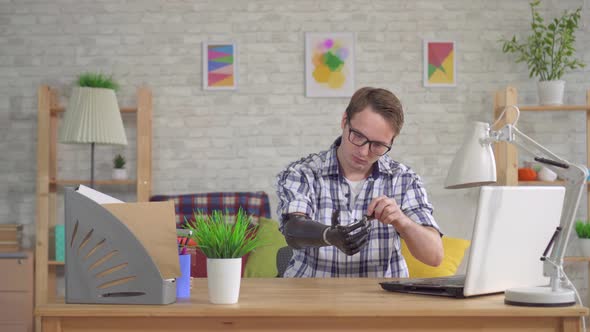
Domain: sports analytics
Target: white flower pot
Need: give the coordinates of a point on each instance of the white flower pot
(585, 247)
(551, 92)
(223, 278)
(119, 174)
(545, 174)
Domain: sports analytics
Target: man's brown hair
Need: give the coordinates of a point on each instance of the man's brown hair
(382, 101)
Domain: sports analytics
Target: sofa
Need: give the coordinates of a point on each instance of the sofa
(272, 259)
(256, 204)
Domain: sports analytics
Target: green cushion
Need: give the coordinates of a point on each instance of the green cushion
(262, 262)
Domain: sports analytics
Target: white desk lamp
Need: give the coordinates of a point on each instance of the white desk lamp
(474, 165)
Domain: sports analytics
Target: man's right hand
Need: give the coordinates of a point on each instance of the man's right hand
(342, 237)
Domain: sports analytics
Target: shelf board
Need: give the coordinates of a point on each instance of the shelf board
(60, 182)
(576, 259)
(547, 183)
(122, 109)
(56, 263)
(555, 108)
(56, 300)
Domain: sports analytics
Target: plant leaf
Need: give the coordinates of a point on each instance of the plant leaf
(217, 237)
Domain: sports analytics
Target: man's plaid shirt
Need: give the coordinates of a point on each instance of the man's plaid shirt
(314, 186)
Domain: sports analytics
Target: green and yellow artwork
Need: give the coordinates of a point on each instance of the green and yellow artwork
(329, 64)
(439, 63)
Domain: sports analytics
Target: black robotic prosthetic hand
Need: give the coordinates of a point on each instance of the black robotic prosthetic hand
(302, 232)
(345, 239)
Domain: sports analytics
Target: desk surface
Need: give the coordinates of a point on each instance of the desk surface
(345, 300)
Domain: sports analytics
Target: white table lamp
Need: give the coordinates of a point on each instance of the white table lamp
(93, 116)
(474, 165)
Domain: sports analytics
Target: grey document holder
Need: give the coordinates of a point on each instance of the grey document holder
(105, 262)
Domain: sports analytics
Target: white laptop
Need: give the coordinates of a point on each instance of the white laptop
(513, 226)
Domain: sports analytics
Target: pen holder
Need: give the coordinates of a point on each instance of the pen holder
(183, 286)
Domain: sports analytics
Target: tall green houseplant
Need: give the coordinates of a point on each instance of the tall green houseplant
(549, 51)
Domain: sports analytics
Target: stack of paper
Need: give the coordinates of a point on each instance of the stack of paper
(10, 237)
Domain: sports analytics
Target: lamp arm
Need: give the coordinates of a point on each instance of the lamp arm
(575, 182)
(509, 133)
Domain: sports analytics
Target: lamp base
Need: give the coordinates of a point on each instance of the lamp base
(540, 297)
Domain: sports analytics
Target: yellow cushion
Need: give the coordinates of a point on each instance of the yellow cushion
(454, 250)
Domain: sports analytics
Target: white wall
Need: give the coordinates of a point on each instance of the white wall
(230, 141)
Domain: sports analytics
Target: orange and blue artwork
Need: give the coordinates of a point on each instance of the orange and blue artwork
(219, 66)
(439, 63)
(329, 70)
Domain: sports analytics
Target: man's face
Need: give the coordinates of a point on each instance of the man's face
(365, 125)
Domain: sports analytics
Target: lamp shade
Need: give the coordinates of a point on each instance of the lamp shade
(474, 164)
(93, 116)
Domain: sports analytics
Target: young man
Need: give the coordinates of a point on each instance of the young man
(324, 197)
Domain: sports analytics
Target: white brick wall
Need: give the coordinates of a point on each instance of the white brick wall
(229, 141)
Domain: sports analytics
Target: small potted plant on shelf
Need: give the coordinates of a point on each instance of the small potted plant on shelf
(224, 243)
(583, 231)
(97, 80)
(119, 171)
(548, 51)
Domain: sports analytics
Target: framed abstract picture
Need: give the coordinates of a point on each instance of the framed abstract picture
(220, 66)
(329, 64)
(440, 68)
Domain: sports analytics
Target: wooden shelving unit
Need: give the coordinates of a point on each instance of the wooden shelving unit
(506, 154)
(48, 184)
(581, 259)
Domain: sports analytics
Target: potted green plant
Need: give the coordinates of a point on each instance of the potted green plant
(548, 51)
(119, 171)
(97, 80)
(583, 231)
(224, 243)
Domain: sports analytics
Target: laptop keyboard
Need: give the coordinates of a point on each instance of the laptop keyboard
(458, 280)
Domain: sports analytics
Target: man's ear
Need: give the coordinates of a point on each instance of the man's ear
(343, 122)
(393, 139)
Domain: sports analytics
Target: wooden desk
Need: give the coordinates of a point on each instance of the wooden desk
(312, 305)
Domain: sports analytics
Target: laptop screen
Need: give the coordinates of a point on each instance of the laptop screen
(513, 226)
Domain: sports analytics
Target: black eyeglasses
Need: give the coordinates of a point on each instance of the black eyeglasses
(358, 139)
